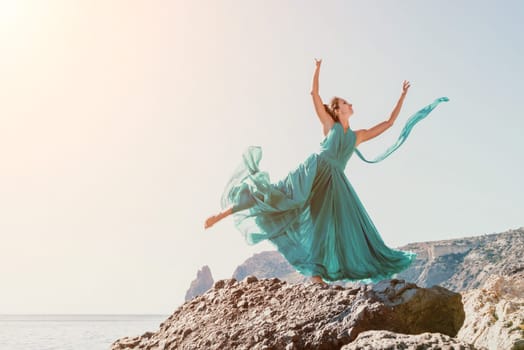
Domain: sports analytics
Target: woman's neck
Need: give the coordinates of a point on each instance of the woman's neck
(345, 124)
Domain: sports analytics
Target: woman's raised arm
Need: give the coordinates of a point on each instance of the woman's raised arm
(378, 129)
(324, 117)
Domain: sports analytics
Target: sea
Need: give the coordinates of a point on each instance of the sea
(72, 332)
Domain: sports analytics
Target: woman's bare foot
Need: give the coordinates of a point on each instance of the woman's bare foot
(215, 218)
(318, 280)
(211, 221)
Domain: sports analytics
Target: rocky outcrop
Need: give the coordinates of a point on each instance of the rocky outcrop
(272, 314)
(466, 263)
(495, 313)
(201, 284)
(385, 340)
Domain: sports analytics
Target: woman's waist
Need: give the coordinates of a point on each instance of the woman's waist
(332, 159)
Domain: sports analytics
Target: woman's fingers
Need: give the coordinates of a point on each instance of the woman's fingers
(405, 86)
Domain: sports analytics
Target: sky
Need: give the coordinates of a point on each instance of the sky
(121, 122)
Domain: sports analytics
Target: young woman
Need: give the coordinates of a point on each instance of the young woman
(313, 216)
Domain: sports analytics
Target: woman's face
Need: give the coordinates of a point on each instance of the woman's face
(344, 108)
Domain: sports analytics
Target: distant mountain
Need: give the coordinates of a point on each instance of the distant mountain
(465, 263)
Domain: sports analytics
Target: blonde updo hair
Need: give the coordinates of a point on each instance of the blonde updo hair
(333, 106)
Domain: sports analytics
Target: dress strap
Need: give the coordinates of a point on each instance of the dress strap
(414, 119)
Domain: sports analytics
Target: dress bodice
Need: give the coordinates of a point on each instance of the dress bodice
(338, 146)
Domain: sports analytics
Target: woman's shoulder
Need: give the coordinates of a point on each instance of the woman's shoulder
(359, 136)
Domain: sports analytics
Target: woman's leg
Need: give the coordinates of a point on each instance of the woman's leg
(244, 200)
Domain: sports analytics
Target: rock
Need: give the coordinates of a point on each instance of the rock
(219, 284)
(518, 345)
(385, 340)
(250, 279)
(495, 313)
(405, 308)
(296, 316)
(201, 284)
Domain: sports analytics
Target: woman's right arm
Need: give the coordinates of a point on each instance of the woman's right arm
(323, 116)
(368, 134)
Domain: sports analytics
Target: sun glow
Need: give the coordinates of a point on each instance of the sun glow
(9, 12)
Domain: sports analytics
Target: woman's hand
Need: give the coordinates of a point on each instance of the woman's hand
(396, 111)
(405, 87)
(318, 62)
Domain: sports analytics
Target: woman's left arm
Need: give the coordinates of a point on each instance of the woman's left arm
(367, 134)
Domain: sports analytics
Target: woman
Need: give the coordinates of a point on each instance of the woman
(313, 216)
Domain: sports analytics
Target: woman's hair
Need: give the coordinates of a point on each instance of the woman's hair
(331, 108)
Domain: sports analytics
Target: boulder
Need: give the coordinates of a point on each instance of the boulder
(272, 314)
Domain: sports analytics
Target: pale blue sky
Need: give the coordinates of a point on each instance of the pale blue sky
(121, 121)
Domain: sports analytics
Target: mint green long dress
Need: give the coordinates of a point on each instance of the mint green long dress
(313, 216)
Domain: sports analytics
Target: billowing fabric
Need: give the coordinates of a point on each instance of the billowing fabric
(414, 119)
(313, 216)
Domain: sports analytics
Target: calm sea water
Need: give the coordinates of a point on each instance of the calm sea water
(72, 332)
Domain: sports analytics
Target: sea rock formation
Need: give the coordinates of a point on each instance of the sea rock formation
(201, 284)
(273, 314)
(495, 313)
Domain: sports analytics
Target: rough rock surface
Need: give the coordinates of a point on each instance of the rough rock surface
(385, 340)
(495, 313)
(201, 284)
(272, 314)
